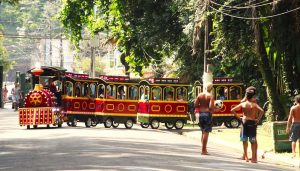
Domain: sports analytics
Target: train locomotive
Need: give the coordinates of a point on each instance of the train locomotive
(40, 106)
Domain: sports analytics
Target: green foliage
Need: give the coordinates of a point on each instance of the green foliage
(7, 64)
(146, 31)
(84, 65)
(11, 2)
(233, 47)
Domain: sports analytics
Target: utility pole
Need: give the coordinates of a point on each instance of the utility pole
(207, 39)
(50, 43)
(61, 51)
(92, 62)
(1, 85)
(94, 44)
(207, 73)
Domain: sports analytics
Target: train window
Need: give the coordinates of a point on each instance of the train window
(222, 93)
(58, 85)
(85, 90)
(132, 93)
(101, 92)
(181, 94)
(156, 93)
(121, 94)
(77, 90)
(69, 88)
(144, 91)
(235, 93)
(198, 90)
(93, 90)
(44, 81)
(169, 93)
(110, 91)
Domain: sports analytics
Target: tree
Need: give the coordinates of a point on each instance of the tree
(7, 64)
(11, 2)
(271, 54)
(145, 31)
(84, 65)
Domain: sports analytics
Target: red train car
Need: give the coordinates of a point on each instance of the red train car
(119, 101)
(230, 92)
(110, 100)
(79, 99)
(163, 100)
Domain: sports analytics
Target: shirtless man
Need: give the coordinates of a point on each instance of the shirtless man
(204, 105)
(294, 120)
(251, 88)
(249, 123)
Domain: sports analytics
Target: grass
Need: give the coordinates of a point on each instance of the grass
(264, 138)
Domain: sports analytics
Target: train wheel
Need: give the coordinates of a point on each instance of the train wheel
(69, 122)
(108, 123)
(234, 123)
(128, 124)
(74, 122)
(179, 124)
(28, 126)
(35, 126)
(88, 122)
(227, 124)
(144, 125)
(154, 124)
(94, 123)
(169, 125)
(115, 124)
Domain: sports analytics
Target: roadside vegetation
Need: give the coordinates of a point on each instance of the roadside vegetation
(254, 42)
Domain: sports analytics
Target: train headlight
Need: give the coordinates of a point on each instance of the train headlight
(56, 109)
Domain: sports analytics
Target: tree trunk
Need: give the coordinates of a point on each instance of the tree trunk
(275, 109)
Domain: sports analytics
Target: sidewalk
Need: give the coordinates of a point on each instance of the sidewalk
(7, 108)
(232, 141)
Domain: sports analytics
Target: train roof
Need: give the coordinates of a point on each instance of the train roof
(222, 81)
(163, 82)
(50, 70)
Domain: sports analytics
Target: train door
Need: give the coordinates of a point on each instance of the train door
(230, 94)
(143, 104)
(197, 89)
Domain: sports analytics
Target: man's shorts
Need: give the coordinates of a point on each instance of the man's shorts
(248, 131)
(205, 121)
(295, 132)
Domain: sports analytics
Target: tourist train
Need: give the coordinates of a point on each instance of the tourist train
(58, 96)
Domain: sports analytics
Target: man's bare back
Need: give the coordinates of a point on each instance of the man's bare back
(204, 102)
(295, 111)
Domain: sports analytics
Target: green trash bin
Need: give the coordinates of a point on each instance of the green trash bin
(281, 138)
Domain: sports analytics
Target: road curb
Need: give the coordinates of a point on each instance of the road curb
(284, 160)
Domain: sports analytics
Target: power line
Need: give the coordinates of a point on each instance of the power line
(15, 36)
(245, 3)
(259, 4)
(254, 18)
(27, 36)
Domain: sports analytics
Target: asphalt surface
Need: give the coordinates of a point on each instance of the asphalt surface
(99, 148)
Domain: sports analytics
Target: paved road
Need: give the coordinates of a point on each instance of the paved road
(100, 148)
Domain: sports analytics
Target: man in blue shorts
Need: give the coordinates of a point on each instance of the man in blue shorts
(293, 124)
(204, 106)
(252, 113)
